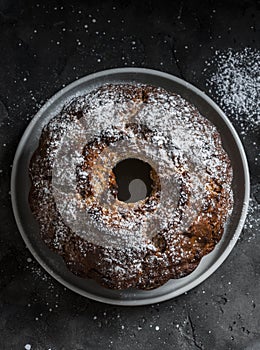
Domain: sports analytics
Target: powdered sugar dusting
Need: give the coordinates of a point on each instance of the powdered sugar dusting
(236, 84)
(174, 135)
(95, 132)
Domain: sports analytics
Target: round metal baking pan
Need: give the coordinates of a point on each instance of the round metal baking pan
(52, 263)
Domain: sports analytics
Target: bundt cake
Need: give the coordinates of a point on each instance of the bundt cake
(75, 183)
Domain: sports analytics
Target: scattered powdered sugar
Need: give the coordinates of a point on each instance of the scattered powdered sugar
(235, 81)
(39, 275)
(38, 272)
(252, 224)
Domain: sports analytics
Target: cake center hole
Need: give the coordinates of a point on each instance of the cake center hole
(133, 178)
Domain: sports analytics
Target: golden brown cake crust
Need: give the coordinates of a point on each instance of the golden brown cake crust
(74, 192)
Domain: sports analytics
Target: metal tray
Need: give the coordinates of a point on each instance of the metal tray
(52, 263)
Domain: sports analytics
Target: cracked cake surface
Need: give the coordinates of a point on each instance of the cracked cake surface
(74, 190)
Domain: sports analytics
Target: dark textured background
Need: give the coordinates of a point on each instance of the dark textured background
(45, 45)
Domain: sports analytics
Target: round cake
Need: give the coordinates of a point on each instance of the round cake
(89, 156)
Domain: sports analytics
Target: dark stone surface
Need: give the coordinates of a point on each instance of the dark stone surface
(45, 45)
